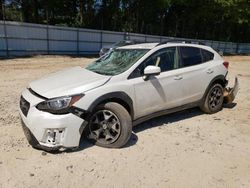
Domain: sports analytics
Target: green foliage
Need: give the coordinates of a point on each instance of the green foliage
(227, 20)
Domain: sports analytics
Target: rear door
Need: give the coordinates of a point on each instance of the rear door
(196, 72)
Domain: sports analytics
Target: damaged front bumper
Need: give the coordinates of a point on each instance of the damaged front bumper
(230, 93)
(34, 142)
(49, 131)
(52, 133)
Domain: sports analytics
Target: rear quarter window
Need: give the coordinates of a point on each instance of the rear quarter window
(206, 55)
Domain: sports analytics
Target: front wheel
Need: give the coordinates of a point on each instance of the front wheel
(214, 100)
(110, 125)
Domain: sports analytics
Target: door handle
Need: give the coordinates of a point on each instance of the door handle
(210, 71)
(178, 77)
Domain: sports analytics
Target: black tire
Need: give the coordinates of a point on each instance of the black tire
(213, 100)
(114, 129)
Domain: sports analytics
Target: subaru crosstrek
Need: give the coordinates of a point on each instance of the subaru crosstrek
(127, 86)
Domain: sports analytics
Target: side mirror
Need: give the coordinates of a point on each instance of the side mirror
(152, 70)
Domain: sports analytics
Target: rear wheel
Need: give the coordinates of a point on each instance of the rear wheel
(110, 125)
(214, 100)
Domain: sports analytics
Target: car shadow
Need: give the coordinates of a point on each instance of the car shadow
(167, 119)
(132, 141)
(85, 144)
(230, 105)
(155, 122)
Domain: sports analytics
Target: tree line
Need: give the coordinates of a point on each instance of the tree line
(226, 20)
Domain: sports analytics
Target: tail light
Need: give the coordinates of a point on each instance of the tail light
(226, 64)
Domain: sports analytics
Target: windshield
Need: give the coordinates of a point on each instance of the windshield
(117, 61)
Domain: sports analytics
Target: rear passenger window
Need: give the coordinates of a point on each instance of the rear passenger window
(190, 56)
(206, 55)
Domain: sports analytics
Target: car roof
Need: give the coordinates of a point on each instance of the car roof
(150, 46)
(140, 46)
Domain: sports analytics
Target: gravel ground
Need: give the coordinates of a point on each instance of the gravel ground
(185, 149)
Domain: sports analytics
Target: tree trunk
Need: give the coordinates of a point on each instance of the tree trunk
(81, 6)
(35, 8)
(26, 17)
(47, 12)
(1, 9)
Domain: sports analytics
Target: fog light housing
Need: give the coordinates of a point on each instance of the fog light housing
(53, 136)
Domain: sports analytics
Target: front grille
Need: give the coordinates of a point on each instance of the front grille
(24, 105)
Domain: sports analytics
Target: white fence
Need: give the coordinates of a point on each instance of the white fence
(29, 39)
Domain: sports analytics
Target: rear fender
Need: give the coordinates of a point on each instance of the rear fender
(218, 79)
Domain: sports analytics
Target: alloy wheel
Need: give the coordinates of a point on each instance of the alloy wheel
(215, 98)
(105, 127)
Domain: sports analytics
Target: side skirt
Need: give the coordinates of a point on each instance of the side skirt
(165, 112)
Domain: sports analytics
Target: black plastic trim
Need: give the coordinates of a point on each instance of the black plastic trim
(221, 78)
(165, 112)
(24, 106)
(36, 94)
(78, 112)
(181, 41)
(33, 141)
(119, 95)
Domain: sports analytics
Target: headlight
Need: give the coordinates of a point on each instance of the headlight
(59, 105)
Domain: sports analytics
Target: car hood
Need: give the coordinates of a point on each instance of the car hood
(68, 82)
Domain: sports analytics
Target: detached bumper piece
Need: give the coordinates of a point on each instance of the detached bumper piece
(230, 93)
(33, 141)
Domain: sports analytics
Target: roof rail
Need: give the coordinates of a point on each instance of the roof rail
(181, 41)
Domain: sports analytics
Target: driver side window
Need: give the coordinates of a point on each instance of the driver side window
(167, 59)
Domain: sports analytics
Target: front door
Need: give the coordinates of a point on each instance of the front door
(158, 92)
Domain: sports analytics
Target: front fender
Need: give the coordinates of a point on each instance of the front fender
(119, 96)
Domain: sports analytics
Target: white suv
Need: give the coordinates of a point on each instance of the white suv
(129, 85)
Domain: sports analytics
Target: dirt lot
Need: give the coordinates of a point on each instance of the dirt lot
(185, 149)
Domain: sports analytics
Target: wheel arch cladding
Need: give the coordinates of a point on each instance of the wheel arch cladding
(220, 79)
(119, 97)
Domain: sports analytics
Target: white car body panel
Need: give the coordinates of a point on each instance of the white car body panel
(91, 95)
(78, 80)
